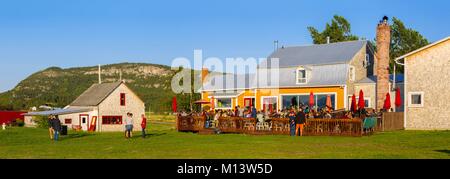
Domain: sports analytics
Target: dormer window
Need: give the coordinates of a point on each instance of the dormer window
(301, 76)
(351, 73)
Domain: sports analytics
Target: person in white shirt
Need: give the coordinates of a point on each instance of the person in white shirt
(129, 126)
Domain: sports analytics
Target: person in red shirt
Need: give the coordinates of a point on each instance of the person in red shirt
(143, 125)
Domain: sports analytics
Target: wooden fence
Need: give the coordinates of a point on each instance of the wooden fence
(190, 123)
(392, 121)
(314, 127)
(333, 127)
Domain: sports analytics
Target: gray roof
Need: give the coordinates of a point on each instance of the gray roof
(370, 79)
(59, 112)
(321, 75)
(95, 94)
(399, 78)
(341, 52)
(229, 81)
(327, 65)
(218, 94)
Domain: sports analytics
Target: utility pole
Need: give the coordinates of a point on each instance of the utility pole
(99, 74)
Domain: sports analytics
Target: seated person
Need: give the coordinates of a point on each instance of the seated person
(260, 117)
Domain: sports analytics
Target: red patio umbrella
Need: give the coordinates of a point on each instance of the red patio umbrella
(361, 102)
(311, 99)
(202, 102)
(353, 106)
(174, 104)
(398, 98)
(387, 102)
(328, 103)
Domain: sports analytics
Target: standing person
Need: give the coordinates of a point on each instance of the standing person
(50, 127)
(216, 118)
(129, 126)
(143, 125)
(56, 125)
(241, 112)
(300, 120)
(291, 116)
(253, 112)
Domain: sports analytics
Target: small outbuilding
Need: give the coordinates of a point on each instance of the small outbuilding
(102, 107)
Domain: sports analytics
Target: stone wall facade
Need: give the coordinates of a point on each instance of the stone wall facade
(357, 62)
(428, 71)
(111, 107)
(363, 69)
(369, 90)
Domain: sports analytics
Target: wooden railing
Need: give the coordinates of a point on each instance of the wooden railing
(333, 127)
(190, 123)
(313, 127)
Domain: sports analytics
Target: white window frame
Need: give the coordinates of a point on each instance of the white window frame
(352, 72)
(265, 97)
(422, 99)
(298, 76)
(307, 94)
(216, 102)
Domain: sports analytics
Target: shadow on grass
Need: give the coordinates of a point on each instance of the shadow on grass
(75, 136)
(155, 134)
(444, 151)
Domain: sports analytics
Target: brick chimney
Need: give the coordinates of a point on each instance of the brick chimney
(382, 68)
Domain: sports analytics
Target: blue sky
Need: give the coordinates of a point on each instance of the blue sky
(35, 35)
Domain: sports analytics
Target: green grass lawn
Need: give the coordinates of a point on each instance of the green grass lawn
(164, 142)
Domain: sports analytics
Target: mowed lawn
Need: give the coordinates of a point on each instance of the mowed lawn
(164, 142)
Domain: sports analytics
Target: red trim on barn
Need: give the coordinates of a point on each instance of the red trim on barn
(9, 116)
(112, 120)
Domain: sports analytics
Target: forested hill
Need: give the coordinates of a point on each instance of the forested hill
(59, 87)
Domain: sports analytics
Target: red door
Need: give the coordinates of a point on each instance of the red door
(248, 102)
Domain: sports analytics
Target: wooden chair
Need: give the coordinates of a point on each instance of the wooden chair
(250, 126)
(267, 126)
(259, 126)
(278, 127)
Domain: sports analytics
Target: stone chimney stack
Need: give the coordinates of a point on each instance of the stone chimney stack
(382, 67)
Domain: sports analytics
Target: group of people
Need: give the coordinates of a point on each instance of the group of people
(297, 115)
(213, 116)
(297, 121)
(55, 126)
(129, 125)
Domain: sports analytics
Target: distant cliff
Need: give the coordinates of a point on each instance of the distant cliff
(59, 87)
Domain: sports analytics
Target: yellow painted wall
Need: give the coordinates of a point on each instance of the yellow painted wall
(247, 93)
(285, 91)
